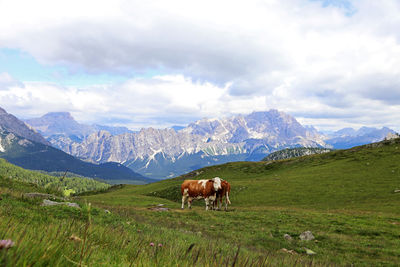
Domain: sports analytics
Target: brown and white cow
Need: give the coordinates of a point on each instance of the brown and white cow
(223, 192)
(198, 189)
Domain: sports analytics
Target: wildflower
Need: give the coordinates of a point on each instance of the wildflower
(160, 245)
(151, 244)
(7, 243)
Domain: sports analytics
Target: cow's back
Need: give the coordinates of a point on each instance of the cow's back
(193, 187)
(196, 188)
(185, 185)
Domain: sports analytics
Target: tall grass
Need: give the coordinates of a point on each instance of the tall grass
(64, 236)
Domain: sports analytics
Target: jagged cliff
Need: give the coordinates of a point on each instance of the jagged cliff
(167, 152)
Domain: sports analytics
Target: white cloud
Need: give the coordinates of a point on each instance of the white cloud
(159, 101)
(214, 58)
(7, 80)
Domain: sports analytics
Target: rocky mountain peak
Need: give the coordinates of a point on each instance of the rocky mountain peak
(10, 123)
(55, 123)
(58, 116)
(2, 111)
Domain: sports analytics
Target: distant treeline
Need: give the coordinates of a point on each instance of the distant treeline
(66, 185)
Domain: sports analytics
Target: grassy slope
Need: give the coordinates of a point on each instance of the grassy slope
(362, 178)
(65, 185)
(344, 197)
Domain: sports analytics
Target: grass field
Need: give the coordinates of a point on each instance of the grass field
(346, 198)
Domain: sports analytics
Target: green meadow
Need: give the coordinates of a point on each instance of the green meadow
(346, 198)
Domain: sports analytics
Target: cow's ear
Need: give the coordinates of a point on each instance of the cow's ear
(211, 180)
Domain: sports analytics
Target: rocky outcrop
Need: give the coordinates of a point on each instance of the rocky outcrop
(391, 136)
(295, 152)
(306, 236)
(47, 202)
(13, 125)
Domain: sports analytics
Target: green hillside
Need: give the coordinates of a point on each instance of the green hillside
(10, 173)
(37, 156)
(363, 177)
(346, 198)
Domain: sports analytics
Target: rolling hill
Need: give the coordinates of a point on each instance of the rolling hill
(347, 198)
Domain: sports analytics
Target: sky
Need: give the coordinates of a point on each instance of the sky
(329, 63)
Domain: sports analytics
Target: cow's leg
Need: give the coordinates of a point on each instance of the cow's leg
(213, 200)
(190, 199)
(227, 201)
(215, 204)
(207, 203)
(183, 201)
(184, 197)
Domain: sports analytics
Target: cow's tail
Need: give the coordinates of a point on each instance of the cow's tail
(227, 197)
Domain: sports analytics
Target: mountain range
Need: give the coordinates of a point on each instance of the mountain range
(22, 146)
(164, 153)
(349, 137)
(62, 123)
(161, 153)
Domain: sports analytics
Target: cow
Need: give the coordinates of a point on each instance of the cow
(198, 189)
(223, 192)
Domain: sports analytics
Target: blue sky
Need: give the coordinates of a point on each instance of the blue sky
(329, 63)
(24, 67)
(346, 5)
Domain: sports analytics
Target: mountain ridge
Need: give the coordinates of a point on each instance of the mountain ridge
(9, 122)
(23, 146)
(162, 153)
(37, 156)
(62, 123)
(202, 143)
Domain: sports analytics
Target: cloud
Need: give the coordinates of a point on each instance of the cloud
(6, 80)
(167, 100)
(323, 60)
(159, 101)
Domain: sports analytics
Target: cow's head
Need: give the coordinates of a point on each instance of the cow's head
(217, 183)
